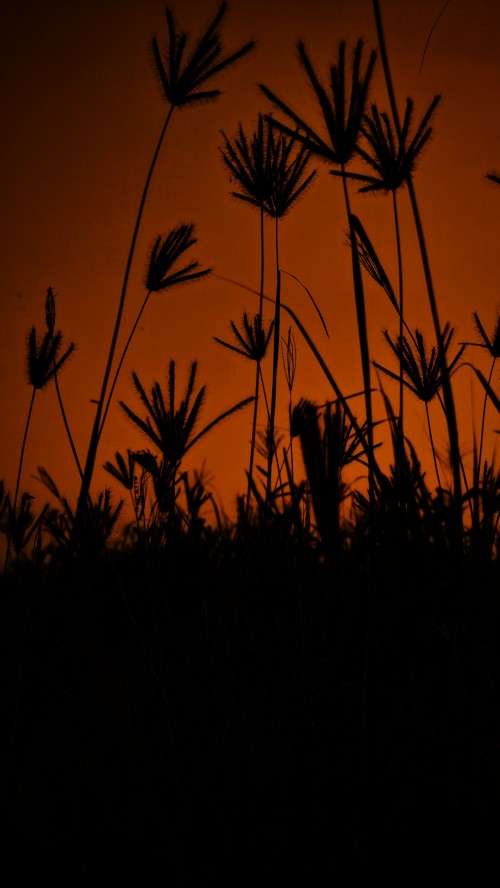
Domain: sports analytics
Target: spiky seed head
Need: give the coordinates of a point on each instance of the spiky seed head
(50, 310)
(271, 169)
(181, 74)
(252, 338)
(342, 112)
(165, 254)
(43, 360)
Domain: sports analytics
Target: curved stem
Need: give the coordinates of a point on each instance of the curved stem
(120, 362)
(66, 424)
(18, 479)
(97, 427)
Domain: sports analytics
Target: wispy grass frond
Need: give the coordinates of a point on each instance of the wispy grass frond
(169, 428)
(123, 471)
(43, 358)
(422, 370)
(493, 343)
(392, 157)
(181, 75)
(342, 111)
(253, 339)
(271, 169)
(369, 259)
(165, 254)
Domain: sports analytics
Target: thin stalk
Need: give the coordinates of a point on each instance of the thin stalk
(276, 352)
(401, 311)
(97, 427)
(483, 416)
(120, 362)
(451, 419)
(432, 444)
(18, 480)
(66, 424)
(257, 371)
(362, 331)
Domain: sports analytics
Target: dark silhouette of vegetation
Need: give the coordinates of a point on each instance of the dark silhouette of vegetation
(178, 690)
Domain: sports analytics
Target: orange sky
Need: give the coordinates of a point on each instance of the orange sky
(81, 113)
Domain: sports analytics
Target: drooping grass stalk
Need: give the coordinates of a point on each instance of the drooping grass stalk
(450, 412)
(321, 361)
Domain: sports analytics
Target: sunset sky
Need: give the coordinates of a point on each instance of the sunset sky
(81, 115)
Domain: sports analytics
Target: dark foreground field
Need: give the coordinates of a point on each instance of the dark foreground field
(244, 705)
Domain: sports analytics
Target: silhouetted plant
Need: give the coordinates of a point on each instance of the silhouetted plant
(22, 524)
(343, 116)
(50, 320)
(493, 347)
(43, 360)
(171, 429)
(252, 340)
(329, 443)
(181, 77)
(289, 357)
(450, 412)
(422, 370)
(124, 472)
(180, 80)
(392, 156)
(100, 518)
(272, 172)
(161, 274)
(342, 113)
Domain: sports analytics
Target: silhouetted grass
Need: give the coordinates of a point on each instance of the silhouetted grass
(312, 685)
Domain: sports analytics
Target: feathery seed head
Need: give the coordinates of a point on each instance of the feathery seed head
(165, 253)
(493, 344)
(252, 340)
(50, 310)
(181, 74)
(392, 158)
(43, 360)
(342, 112)
(289, 357)
(271, 169)
(422, 370)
